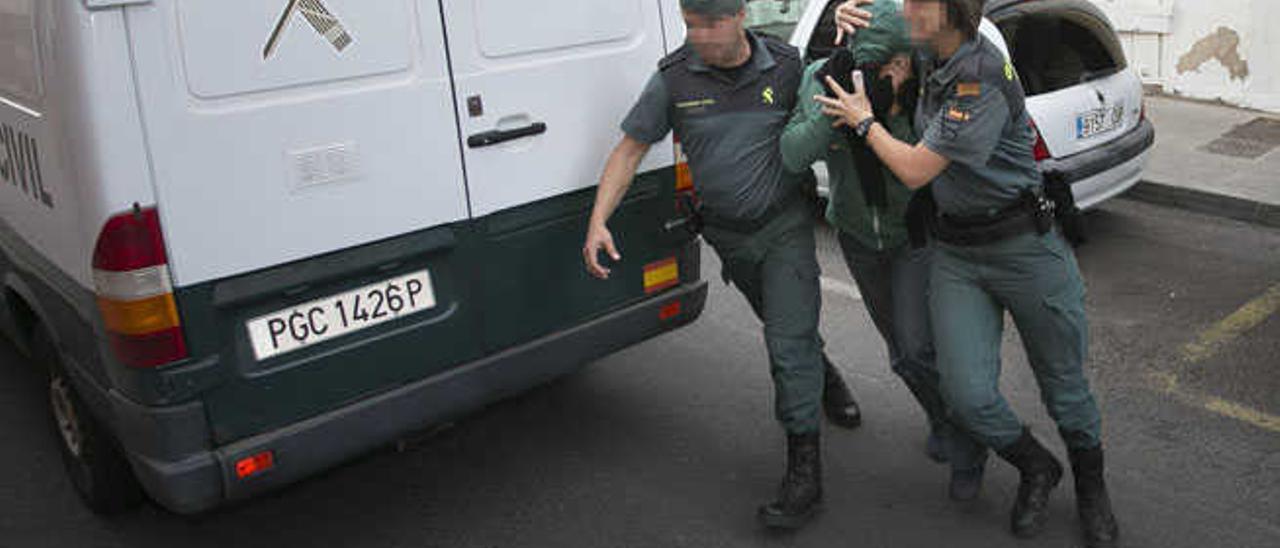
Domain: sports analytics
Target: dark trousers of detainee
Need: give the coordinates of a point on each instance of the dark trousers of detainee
(894, 284)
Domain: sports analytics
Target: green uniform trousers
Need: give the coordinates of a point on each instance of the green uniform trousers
(776, 269)
(1036, 279)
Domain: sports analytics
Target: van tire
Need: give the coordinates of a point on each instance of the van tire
(97, 468)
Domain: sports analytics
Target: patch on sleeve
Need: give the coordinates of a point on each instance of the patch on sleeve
(968, 89)
(954, 114)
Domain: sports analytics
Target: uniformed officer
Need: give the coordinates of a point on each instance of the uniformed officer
(998, 251)
(728, 94)
(867, 208)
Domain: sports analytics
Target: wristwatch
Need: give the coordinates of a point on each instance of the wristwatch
(864, 126)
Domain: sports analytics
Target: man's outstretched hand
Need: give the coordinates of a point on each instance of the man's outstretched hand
(850, 18)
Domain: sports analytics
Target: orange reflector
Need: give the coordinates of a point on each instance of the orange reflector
(684, 177)
(661, 275)
(139, 317)
(669, 311)
(256, 464)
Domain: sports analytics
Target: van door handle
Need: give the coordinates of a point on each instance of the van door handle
(490, 138)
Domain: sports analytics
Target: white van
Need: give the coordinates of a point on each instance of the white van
(254, 238)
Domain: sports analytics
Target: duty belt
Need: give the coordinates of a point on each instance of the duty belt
(1030, 213)
(750, 226)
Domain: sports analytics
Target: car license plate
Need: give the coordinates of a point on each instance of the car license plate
(331, 317)
(1099, 121)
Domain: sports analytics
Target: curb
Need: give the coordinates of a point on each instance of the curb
(1199, 201)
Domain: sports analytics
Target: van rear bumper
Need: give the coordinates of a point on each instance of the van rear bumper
(194, 482)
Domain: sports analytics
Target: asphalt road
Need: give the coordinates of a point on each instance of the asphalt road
(671, 443)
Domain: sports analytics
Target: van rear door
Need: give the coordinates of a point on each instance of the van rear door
(307, 165)
(285, 129)
(542, 87)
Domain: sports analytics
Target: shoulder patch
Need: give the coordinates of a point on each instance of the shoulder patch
(968, 89)
(676, 57)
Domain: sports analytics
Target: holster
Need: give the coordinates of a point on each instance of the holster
(1057, 190)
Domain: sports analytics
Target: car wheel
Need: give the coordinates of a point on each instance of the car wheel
(98, 469)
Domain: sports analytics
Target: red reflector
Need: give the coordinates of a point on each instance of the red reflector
(256, 464)
(130, 241)
(151, 349)
(1041, 150)
(669, 311)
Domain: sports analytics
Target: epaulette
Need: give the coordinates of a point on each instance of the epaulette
(779, 49)
(986, 65)
(674, 58)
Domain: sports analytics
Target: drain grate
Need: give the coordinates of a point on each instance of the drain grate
(1249, 140)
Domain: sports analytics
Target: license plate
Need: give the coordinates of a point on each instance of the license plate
(331, 317)
(1099, 121)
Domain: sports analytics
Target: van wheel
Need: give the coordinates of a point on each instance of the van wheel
(97, 468)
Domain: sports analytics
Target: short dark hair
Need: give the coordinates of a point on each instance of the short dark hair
(965, 16)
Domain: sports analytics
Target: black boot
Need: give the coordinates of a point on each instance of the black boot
(1040, 474)
(837, 399)
(1096, 520)
(800, 495)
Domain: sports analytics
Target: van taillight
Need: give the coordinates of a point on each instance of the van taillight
(1041, 149)
(135, 295)
(684, 177)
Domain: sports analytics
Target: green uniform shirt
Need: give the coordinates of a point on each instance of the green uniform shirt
(972, 111)
(729, 127)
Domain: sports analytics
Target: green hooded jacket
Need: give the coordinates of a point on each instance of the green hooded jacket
(809, 138)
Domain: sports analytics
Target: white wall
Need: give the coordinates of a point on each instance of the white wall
(1220, 50)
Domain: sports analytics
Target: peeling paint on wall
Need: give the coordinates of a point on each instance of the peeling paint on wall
(1224, 46)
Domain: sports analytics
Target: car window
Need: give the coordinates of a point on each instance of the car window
(1053, 52)
(775, 17)
(19, 77)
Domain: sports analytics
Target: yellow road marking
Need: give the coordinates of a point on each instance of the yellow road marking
(1242, 413)
(1230, 328)
(1169, 384)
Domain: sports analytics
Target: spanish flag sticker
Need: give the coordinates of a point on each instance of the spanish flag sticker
(968, 89)
(956, 115)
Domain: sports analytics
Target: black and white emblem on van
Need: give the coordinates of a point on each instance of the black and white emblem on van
(324, 23)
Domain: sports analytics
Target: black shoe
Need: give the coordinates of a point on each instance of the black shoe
(1092, 502)
(837, 399)
(966, 484)
(936, 446)
(800, 496)
(1041, 473)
